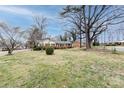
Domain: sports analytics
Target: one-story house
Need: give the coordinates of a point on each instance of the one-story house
(46, 42)
(63, 44)
(55, 44)
(121, 42)
(76, 44)
(117, 43)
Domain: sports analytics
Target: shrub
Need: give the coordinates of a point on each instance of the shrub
(37, 48)
(44, 48)
(96, 44)
(49, 50)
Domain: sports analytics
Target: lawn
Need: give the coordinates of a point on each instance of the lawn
(66, 68)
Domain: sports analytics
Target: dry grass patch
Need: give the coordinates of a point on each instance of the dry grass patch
(66, 68)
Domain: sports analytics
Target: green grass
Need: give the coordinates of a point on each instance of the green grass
(66, 68)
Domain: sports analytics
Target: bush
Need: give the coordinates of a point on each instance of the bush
(96, 44)
(49, 50)
(44, 48)
(37, 48)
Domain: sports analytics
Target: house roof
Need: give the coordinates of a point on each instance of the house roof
(120, 41)
(63, 42)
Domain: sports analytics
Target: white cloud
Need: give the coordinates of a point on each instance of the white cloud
(24, 12)
(16, 10)
(27, 13)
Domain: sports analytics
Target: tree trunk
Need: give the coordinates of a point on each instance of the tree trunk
(80, 40)
(88, 41)
(9, 52)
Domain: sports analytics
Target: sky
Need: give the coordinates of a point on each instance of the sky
(22, 16)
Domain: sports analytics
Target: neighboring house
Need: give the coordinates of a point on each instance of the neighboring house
(77, 43)
(4, 48)
(121, 42)
(55, 44)
(46, 42)
(63, 44)
(1, 47)
(117, 43)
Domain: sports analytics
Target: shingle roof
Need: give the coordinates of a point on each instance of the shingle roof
(63, 42)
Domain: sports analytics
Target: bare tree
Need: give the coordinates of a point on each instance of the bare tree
(37, 31)
(41, 23)
(72, 34)
(64, 37)
(10, 38)
(74, 18)
(34, 35)
(93, 20)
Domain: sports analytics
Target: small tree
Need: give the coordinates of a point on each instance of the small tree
(10, 38)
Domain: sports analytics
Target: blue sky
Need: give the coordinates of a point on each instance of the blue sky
(23, 16)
